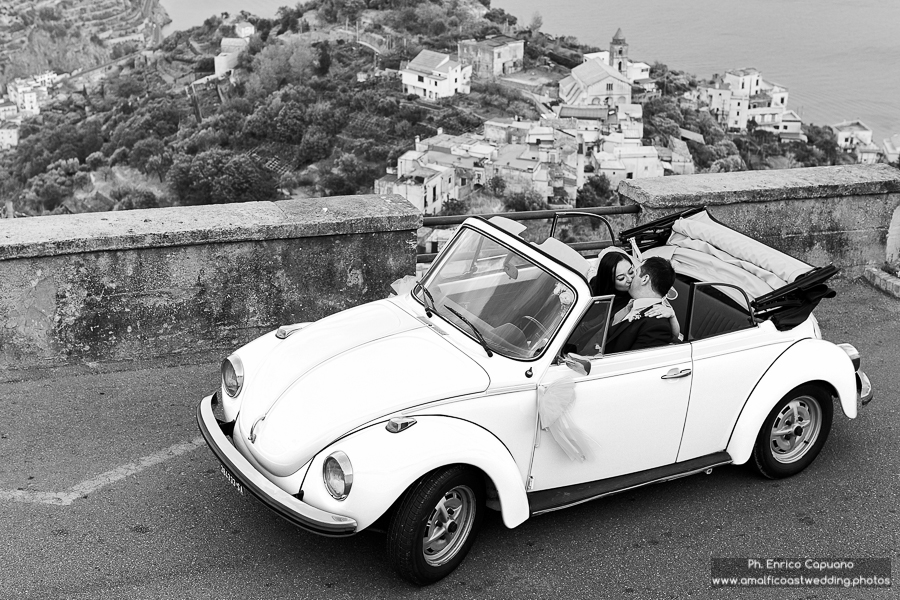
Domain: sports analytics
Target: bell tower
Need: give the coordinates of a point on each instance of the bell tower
(618, 53)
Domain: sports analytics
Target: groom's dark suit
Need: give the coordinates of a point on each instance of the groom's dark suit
(645, 332)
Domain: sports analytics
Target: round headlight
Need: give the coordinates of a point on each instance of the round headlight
(338, 475)
(232, 375)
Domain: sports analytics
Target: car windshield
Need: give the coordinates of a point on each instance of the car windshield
(504, 298)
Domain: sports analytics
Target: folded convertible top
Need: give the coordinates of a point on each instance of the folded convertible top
(782, 288)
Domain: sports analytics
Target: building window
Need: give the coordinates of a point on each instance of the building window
(609, 87)
(420, 78)
(463, 181)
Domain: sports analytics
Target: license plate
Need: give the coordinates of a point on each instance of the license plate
(231, 479)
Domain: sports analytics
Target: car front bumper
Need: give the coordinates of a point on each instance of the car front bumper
(243, 473)
(864, 390)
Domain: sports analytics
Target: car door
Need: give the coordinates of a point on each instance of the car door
(629, 412)
(730, 351)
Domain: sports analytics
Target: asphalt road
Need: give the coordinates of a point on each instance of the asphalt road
(159, 521)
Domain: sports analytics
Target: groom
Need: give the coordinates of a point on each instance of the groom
(648, 288)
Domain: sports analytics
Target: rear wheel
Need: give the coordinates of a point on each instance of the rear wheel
(794, 432)
(435, 524)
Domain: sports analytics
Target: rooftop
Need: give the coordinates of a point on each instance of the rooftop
(744, 72)
(594, 71)
(493, 42)
(430, 62)
(599, 113)
(856, 125)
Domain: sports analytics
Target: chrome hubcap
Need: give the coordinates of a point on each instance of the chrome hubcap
(795, 429)
(449, 525)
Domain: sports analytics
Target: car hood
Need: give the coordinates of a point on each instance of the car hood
(342, 372)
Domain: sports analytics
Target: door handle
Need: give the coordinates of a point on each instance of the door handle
(676, 373)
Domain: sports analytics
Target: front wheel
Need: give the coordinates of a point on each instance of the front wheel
(794, 432)
(435, 524)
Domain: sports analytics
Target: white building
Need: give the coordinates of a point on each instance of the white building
(225, 62)
(9, 135)
(741, 96)
(8, 110)
(787, 125)
(243, 29)
(617, 58)
(595, 83)
(891, 148)
(638, 73)
(619, 161)
(856, 136)
(441, 168)
(27, 94)
(433, 75)
(229, 51)
(492, 57)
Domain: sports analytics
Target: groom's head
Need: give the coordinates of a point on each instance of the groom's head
(655, 277)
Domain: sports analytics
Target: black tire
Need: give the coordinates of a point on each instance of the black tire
(460, 490)
(804, 415)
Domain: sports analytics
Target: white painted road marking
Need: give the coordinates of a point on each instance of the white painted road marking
(91, 485)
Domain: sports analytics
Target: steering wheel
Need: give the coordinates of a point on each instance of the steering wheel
(542, 331)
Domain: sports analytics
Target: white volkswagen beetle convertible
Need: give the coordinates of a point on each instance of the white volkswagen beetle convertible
(466, 393)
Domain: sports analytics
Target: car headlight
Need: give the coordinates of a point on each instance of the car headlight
(338, 475)
(232, 375)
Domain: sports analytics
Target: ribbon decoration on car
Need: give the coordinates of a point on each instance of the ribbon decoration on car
(554, 401)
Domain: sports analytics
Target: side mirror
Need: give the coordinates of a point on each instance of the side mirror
(579, 364)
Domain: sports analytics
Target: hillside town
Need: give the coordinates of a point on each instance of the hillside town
(582, 114)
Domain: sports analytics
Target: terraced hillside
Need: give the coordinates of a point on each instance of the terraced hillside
(64, 35)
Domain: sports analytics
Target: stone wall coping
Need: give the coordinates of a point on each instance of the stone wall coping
(56, 235)
(713, 189)
(883, 281)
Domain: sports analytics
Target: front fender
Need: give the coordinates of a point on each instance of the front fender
(385, 464)
(806, 361)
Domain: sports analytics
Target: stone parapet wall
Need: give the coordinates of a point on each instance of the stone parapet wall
(821, 215)
(150, 283)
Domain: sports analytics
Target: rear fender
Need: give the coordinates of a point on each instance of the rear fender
(808, 360)
(385, 464)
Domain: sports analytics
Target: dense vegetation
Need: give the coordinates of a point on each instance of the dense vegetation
(298, 118)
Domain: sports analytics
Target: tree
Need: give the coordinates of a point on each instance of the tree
(126, 86)
(219, 176)
(728, 164)
(525, 201)
(324, 58)
(280, 64)
(136, 199)
(536, 22)
(316, 145)
(596, 191)
(143, 151)
(751, 126)
(453, 206)
(496, 185)
(95, 160)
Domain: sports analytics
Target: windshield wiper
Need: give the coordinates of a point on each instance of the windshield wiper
(426, 298)
(474, 329)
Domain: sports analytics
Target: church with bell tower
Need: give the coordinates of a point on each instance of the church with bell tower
(618, 53)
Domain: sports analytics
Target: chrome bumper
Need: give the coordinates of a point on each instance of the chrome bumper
(864, 390)
(283, 504)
